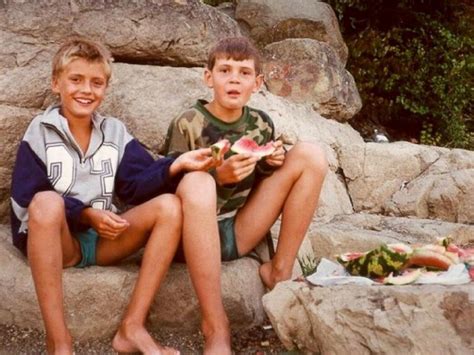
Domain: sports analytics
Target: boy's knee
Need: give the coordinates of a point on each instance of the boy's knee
(167, 207)
(196, 188)
(46, 207)
(313, 156)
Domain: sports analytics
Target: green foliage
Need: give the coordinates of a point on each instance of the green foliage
(413, 61)
(308, 265)
(428, 137)
(214, 2)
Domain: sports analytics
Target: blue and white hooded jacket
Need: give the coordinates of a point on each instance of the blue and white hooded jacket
(115, 165)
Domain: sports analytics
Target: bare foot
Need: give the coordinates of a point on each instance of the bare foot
(270, 277)
(135, 338)
(266, 275)
(59, 348)
(217, 339)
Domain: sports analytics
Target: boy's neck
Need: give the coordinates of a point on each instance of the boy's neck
(223, 114)
(81, 129)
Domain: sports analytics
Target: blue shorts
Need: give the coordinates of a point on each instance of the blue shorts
(88, 242)
(228, 242)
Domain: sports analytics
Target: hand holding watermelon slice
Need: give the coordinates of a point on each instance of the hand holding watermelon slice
(246, 145)
(219, 149)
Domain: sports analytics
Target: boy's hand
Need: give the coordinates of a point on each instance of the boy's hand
(235, 169)
(277, 158)
(106, 223)
(194, 160)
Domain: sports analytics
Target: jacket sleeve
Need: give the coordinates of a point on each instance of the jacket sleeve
(140, 177)
(30, 177)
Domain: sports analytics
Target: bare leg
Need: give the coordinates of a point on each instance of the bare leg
(202, 251)
(50, 248)
(160, 221)
(292, 190)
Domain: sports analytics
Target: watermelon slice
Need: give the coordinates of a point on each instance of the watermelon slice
(407, 277)
(429, 257)
(246, 145)
(219, 148)
(378, 262)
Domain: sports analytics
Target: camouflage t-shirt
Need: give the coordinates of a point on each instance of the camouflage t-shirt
(198, 128)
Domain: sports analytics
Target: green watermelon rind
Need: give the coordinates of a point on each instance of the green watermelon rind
(379, 262)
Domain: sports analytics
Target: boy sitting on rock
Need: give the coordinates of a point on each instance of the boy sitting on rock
(251, 192)
(71, 165)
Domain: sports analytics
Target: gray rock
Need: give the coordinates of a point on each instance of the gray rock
(443, 191)
(362, 232)
(177, 33)
(96, 297)
(307, 70)
(269, 21)
(13, 123)
(427, 319)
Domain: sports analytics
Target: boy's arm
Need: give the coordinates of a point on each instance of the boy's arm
(30, 177)
(140, 177)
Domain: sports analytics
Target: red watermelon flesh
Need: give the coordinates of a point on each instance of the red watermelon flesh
(351, 256)
(247, 145)
(219, 148)
(430, 258)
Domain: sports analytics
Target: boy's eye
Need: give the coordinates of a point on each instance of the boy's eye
(74, 79)
(98, 83)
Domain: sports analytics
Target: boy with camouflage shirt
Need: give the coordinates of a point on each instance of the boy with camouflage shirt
(201, 129)
(251, 193)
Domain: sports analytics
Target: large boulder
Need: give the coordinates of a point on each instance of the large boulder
(349, 319)
(375, 171)
(275, 20)
(443, 191)
(13, 123)
(159, 31)
(362, 232)
(96, 297)
(307, 70)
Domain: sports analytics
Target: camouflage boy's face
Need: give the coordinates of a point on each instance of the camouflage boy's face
(81, 86)
(233, 83)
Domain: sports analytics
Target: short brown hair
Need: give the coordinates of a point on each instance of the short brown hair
(79, 47)
(236, 48)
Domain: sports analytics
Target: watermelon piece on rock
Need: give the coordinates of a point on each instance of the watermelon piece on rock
(407, 277)
(246, 145)
(379, 262)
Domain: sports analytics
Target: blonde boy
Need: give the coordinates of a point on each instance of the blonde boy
(251, 193)
(71, 165)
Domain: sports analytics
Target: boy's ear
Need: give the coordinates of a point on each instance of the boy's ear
(208, 78)
(54, 85)
(258, 83)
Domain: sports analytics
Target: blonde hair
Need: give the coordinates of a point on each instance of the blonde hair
(236, 48)
(78, 47)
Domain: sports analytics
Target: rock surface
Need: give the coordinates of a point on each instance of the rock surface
(147, 31)
(306, 70)
(106, 292)
(406, 179)
(271, 21)
(361, 232)
(373, 319)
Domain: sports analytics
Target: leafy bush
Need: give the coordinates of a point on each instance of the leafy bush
(413, 62)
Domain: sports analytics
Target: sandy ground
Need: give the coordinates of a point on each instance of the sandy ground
(14, 340)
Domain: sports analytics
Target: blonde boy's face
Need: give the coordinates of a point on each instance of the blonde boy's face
(233, 83)
(81, 86)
